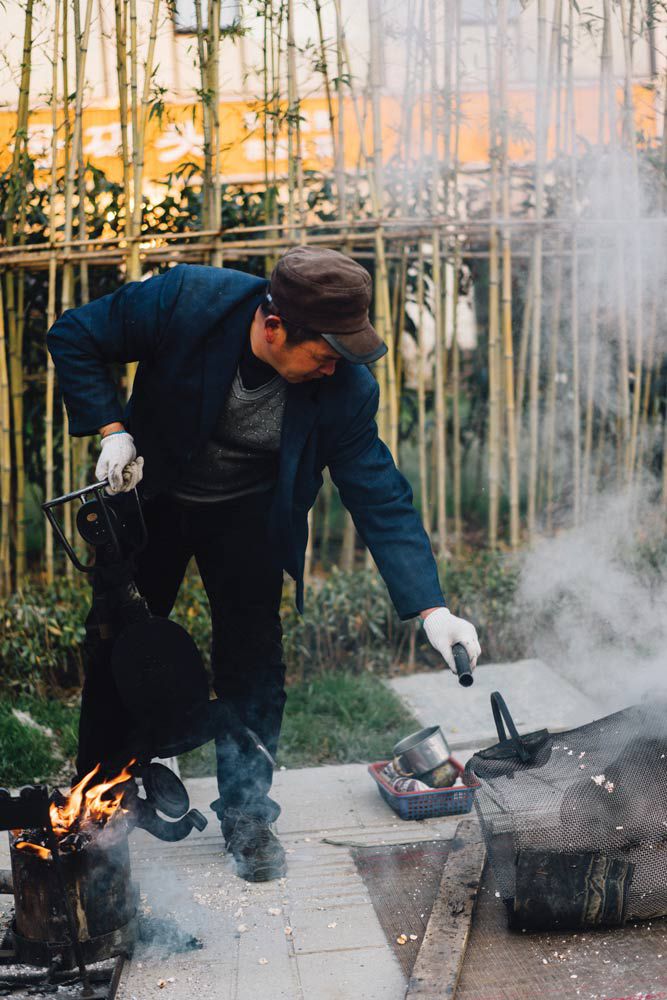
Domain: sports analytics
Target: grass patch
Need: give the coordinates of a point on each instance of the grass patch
(337, 718)
(29, 754)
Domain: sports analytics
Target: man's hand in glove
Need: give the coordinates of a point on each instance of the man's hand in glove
(444, 630)
(118, 462)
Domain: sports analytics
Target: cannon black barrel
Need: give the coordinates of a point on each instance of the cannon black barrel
(462, 661)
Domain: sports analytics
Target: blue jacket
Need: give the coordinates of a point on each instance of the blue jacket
(187, 328)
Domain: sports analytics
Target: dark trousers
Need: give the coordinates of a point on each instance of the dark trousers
(243, 582)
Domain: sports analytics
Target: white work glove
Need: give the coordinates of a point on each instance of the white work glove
(118, 462)
(444, 630)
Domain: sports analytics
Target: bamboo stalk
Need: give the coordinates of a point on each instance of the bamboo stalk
(595, 282)
(623, 363)
(140, 116)
(5, 458)
(494, 457)
(440, 375)
(387, 365)
(574, 299)
(340, 118)
(15, 223)
(337, 139)
(80, 446)
(421, 396)
(457, 458)
(552, 389)
(68, 270)
(506, 301)
(80, 177)
(522, 368)
(310, 545)
(51, 304)
(439, 378)
(638, 282)
(540, 142)
(120, 9)
(295, 167)
(653, 322)
(205, 96)
(214, 84)
(327, 505)
(67, 281)
(552, 393)
(347, 556)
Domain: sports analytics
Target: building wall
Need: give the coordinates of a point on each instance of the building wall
(179, 138)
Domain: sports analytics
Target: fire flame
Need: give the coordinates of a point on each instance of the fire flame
(84, 805)
(41, 852)
(88, 805)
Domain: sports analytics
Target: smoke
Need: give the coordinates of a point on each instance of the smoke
(596, 600)
(184, 906)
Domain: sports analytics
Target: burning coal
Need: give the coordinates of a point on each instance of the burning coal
(91, 806)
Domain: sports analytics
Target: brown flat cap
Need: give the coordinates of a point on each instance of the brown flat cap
(326, 292)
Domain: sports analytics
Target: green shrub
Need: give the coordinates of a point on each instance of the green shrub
(482, 586)
(41, 630)
(349, 623)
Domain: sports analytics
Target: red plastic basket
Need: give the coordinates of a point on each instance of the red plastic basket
(422, 805)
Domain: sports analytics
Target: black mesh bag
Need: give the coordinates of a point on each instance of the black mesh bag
(575, 823)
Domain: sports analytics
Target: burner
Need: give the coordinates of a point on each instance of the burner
(102, 898)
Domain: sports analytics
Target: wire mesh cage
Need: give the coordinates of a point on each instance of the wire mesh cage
(575, 823)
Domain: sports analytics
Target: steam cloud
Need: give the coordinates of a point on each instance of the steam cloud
(596, 597)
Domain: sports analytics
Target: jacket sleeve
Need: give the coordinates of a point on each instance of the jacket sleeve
(379, 499)
(121, 327)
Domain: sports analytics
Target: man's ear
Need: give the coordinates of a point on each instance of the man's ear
(271, 328)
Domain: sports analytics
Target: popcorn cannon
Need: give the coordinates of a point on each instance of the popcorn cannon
(158, 674)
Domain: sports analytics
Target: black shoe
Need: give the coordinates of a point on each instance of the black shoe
(258, 853)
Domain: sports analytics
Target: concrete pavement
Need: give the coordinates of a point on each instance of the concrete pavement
(311, 936)
(315, 935)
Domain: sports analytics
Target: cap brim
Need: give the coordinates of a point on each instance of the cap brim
(361, 348)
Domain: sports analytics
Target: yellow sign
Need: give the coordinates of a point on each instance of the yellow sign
(178, 139)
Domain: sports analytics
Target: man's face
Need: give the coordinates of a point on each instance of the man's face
(312, 359)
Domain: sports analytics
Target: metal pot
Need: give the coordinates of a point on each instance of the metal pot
(422, 751)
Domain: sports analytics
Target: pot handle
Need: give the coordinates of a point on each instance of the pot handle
(501, 712)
